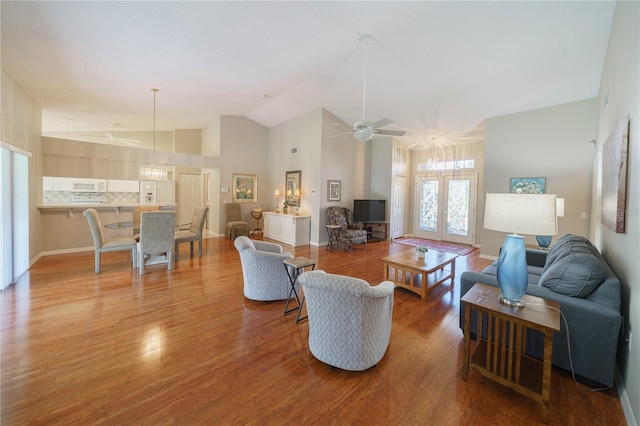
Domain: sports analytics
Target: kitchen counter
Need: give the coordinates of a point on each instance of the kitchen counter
(100, 206)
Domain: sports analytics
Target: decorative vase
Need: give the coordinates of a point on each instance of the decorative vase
(513, 276)
(420, 254)
(285, 210)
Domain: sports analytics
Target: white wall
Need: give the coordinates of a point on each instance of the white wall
(243, 149)
(551, 142)
(21, 126)
(620, 86)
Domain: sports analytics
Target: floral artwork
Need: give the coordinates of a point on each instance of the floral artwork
(528, 185)
(614, 177)
(245, 188)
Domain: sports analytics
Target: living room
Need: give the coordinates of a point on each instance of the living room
(568, 169)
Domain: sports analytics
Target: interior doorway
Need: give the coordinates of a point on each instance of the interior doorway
(446, 207)
(189, 196)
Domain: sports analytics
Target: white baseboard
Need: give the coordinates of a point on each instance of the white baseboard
(624, 400)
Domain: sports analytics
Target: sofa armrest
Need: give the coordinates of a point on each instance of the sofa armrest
(536, 257)
(267, 246)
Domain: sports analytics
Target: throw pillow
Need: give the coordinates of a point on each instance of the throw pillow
(576, 275)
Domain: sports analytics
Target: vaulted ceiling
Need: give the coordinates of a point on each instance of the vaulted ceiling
(435, 68)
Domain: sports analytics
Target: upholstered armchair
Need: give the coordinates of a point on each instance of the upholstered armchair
(102, 244)
(156, 238)
(194, 233)
(349, 321)
(265, 277)
(349, 233)
(235, 225)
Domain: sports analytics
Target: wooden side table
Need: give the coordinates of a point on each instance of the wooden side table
(294, 268)
(501, 355)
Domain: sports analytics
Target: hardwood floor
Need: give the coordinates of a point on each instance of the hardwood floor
(185, 347)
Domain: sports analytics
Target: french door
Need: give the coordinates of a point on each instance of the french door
(445, 208)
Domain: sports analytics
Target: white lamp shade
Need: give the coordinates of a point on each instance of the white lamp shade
(560, 207)
(530, 214)
(276, 194)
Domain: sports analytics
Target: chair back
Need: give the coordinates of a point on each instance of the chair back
(156, 231)
(137, 211)
(233, 212)
(95, 226)
(198, 219)
(336, 216)
(349, 321)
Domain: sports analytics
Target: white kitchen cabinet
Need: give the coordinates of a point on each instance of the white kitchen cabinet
(61, 184)
(118, 185)
(286, 228)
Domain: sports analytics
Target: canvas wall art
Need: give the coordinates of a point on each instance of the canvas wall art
(614, 177)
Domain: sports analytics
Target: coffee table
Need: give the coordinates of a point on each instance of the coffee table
(500, 356)
(420, 275)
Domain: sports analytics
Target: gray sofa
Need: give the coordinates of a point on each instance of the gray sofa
(576, 275)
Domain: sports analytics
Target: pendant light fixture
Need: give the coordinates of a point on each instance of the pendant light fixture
(153, 171)
(432, 163)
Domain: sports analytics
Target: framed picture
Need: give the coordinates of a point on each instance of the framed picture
(245, 188)
(333, 190)
(614, 177)
(529, 185)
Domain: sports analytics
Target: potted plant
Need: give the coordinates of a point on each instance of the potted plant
(422, 250)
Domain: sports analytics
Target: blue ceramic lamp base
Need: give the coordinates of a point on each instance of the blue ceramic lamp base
(513, 276)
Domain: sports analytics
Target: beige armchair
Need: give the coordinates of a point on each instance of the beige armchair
(156, 238)
(349, 321)
(235, 225)
(102, 244)
(194, 233)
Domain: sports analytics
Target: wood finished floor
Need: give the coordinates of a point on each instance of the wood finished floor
(185, 347)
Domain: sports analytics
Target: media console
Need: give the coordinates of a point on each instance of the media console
(369, 226)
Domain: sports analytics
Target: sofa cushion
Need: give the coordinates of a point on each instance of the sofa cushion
(576, 275)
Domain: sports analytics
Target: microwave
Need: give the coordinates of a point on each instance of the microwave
(88, 185)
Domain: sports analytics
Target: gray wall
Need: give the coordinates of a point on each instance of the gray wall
(620, 84)
(551, 142)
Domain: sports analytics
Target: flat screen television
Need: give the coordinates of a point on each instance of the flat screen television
(369, 210)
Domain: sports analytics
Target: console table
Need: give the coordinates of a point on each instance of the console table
(287, 228)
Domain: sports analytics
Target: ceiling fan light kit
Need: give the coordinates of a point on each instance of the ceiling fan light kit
(153, 171)
(365, 130)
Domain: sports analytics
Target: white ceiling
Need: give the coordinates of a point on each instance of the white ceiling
(435, 68)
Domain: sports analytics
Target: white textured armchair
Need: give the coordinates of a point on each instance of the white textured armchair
(349, 321)
(262, 269)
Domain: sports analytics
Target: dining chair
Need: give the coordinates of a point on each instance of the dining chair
(137, 211)
(102, 244)
(194, 233)
(156, 238)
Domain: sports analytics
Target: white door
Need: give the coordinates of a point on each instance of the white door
(189, 196)
(446, 208)
(397, 206)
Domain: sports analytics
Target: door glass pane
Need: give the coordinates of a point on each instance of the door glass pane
(428, 206)
(458, 207)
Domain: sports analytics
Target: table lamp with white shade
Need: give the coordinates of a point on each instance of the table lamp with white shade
(530, 214)
(276, 195)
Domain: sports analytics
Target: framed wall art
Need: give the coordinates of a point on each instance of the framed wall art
(528, 185)
(333, 190)
(614, 177)
(245, 188)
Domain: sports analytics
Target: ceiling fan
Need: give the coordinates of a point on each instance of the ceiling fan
(113, 137)
(365, 130)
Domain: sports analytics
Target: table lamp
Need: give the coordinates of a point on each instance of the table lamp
(532, 214)
(544, 241)
(276, 195)
(297, 195)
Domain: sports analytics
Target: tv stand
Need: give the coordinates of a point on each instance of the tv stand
(369, 226)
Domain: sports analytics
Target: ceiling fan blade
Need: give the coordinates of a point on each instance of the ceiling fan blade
(390, 132)
(381, 123)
